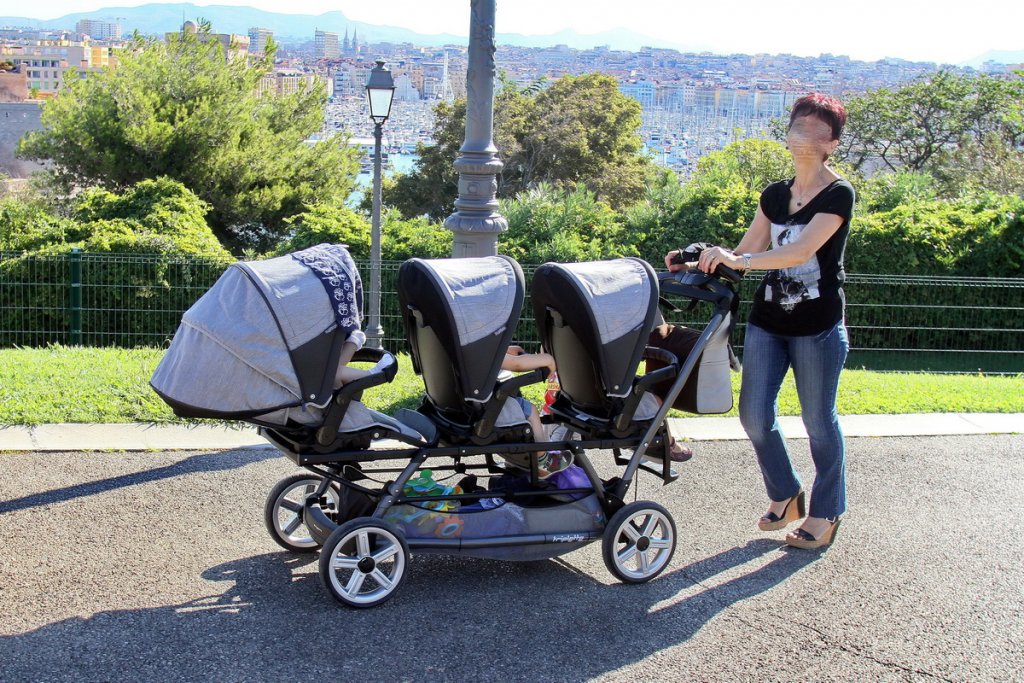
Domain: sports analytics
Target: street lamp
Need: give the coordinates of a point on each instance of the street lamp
(476, 222)
(380, 90)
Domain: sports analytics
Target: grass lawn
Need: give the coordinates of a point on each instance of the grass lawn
(93, 385)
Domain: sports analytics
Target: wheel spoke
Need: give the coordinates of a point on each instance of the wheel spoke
(291, 505)
(627, 554)
(629, 530)
(294, 523)
(341, 562)
(381, 579)
(661, 543)
(385, 553)
(645, 563)
(652, 521)
(355, 583)
(363, 543)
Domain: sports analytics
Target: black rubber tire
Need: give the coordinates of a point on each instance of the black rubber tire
(382, 541)
(272, 506)
(618, 540)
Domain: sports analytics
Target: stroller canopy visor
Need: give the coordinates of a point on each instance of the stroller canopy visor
(267, 335)
(472, 305)
(610, 304)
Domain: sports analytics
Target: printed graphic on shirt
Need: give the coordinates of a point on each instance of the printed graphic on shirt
(789, 286)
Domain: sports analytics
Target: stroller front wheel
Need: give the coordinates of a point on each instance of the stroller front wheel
(639, 542)
(364, 562)
(283, 512)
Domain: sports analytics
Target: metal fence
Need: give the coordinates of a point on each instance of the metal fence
(938, 324)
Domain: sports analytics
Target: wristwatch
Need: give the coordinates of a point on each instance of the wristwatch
(746, 261)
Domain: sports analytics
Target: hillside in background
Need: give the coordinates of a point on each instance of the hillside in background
(158, 18)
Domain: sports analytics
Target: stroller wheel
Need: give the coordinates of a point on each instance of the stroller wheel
(363, 562)
(639, 542)
(283, 512)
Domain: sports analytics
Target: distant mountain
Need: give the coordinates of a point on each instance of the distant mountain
(157, 18)
(999, 57)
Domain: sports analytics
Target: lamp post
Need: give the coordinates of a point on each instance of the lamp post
(476, 222)
(380, 89)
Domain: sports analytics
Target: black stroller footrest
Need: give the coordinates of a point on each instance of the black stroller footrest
(666, 477)
(419, 422)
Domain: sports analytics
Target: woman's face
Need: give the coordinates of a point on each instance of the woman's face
(810, 138)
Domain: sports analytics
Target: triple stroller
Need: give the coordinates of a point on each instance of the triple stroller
(463, 473)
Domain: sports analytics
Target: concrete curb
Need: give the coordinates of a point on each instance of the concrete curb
(146, 437)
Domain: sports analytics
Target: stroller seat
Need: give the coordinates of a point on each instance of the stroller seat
(595, 319)
(264, 345)
(460, 316)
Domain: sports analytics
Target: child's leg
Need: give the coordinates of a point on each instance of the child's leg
(347, 374)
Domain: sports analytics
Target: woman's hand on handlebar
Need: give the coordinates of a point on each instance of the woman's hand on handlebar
(671, 263)
(718, 256)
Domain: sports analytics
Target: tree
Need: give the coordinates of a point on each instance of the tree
(752, 163)
(182, 110)
(914, 127)
(579, 131)
(432, 188)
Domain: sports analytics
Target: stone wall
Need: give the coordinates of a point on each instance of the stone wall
(16, 119)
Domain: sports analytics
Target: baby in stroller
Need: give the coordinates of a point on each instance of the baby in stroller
(268, 344)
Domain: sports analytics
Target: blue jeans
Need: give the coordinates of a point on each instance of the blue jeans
(817, 361)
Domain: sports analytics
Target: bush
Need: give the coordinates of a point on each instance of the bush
(415, 237)
(887, 191)
(400, 239)
(157, 218)
(549, 224)
(27, 224)
(980, 237)
(331, 224)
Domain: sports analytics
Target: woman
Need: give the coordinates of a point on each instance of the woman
(797, 321)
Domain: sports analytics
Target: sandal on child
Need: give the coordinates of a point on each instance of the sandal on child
(676, 453)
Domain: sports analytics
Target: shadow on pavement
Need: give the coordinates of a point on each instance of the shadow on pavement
(454, 619)
(217, 461)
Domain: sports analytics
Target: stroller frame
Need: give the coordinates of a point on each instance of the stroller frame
(376, 551)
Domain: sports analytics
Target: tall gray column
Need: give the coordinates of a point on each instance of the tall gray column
(476, 221)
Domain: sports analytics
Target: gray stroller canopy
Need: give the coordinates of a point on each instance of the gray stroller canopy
(469, 307)
(266, 336)
(611, 306)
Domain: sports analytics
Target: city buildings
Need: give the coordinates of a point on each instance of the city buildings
(234, 45)
(258, 39)
(326, 45)
(45, 63)
(692, 103)
(99, 30)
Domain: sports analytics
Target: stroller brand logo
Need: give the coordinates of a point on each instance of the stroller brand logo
(569, 538)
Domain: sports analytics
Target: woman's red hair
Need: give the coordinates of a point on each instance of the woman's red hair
(824, 107)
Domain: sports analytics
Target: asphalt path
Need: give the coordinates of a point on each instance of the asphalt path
(156, 567)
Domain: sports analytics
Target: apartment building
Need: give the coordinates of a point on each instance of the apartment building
(287, 82)
(234, 45)
(258, 39)
(326, 45)
(45, 62)
(98, 29)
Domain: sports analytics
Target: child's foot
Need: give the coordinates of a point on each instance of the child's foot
(554, 461)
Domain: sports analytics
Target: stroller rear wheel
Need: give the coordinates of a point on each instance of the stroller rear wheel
(639, 541)
(283, 512)
(364, 562)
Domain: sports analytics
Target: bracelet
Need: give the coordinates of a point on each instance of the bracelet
(746, 261)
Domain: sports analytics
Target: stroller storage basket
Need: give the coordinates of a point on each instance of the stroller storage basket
(507, 531)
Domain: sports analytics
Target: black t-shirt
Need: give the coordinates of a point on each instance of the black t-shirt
(808, 298)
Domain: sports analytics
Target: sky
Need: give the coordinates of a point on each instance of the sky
(935, 30)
